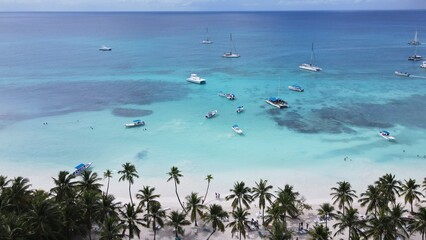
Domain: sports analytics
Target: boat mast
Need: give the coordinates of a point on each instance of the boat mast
(312, 54)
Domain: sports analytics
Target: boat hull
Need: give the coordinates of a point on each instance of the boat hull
(310, 68)
(277, 105)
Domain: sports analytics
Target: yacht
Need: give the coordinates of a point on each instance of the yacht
(231, 54)
(196, 79)
(207, 40)
(415, 57)
(105, 48)
(415, 41)
(423, 65)
(311, 66)
(277, 102)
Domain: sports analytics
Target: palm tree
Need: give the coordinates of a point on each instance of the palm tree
(3, 183)
(215, 215)
(389, 187)
(194, 206)
(90, 204)
(175, 175)
(111, 229)
(18, 194)
(373, 199)
(155, 216)
(240, 222)
(43, 219)
(12, 227)
(279, 231)
(261, 192)
(351, 221)
(108, 175)
(128, 173)
(287, 202)
(241, 195)
(398, 221)
(177, 221)
(131, 220)
(419, 222)
(64, 186)
(379, 227)
(108, 208)
(89, 182)
(273, 214)
(146, 196)
(410, 192)
(319, 232)
(343, 194)
(208, 178)
(326, 212)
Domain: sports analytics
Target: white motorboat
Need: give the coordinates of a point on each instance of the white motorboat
(415, 57)
(80, 168)
(423, 65)
(239, 109)
(196, 79)
(231, 54)
(386, 135)
(229, 96)
(105, 48)
(135, 123)
(237, 129)
(296, 88)
(311, 66)
(277, 102)
(415, 41)
(402, 74)
(211, 114)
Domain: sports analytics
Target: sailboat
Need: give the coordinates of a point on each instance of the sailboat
(415, 41)
(415, 57)
(311, 66)
(231, 54)
(207, 40)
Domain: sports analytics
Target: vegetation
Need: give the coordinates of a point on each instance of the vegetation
(76, 208)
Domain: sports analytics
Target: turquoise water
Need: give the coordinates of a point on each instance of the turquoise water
(51, 71)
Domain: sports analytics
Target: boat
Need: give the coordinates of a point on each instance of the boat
(231, 54)
(386, 135)
(211, 114)
(196, 79)
(311, 66)
(237, 129)
(207, 40)
(415, 41)
(423, 65)
(80, 168)
(105, 48)
(402, 74)
(415, 57)
(240, 109)
(296, 88)
(229, 96)
(277, 102)
(135, 123)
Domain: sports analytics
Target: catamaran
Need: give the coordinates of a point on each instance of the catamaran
(311, 66)
(207, 40)
(415, 41)
(231, 54)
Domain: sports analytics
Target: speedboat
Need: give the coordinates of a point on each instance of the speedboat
(231, 55)
(415, 57)
(240, 109)
(211, 114)
(135, 123)
(207, 41)
(229, 96)
(277, 102)
(196, 79)
(310, 67)
(386, 135)
(80, 168)
(423, 65)
(105, 48)
(295, 88)
(237, 129)
(402, 74)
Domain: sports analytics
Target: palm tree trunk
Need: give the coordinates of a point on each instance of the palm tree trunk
(240, 235)
(178, 197)
(130, 193)
(176, 233)
(411, 203)
(263, 215)
(107, 187)
(154, 227)
(214, 230)
(208, 185)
